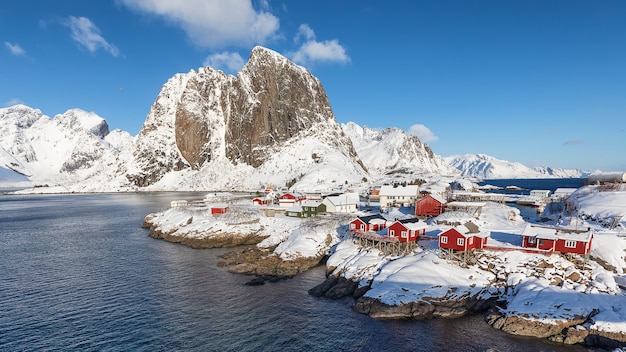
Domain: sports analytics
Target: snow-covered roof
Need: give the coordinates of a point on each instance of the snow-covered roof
(416, 225)
(554, 233)
(466, 204)
(410, 190)
(311, 203)
(294, 208)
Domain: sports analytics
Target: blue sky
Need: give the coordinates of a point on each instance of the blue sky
(540, 82)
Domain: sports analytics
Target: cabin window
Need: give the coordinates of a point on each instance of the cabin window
(460, 241)
(570, 244)
(404, 235)
(391, 233)
(362, 226)
(444, 239)
(531, 239)
(352, 226)
(471, 240)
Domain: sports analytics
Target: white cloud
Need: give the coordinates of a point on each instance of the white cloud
(214, 23)
(88, 35)
(225, 61)
(423, 133)
(312, 50)
(15, 49)
(12, 102)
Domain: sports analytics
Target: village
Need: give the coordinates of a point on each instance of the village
(418, 210)
(433, 249)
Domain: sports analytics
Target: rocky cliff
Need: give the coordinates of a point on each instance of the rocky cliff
(206, 117)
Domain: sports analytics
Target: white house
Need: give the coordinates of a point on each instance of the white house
(563, 193)
(399, 196)
(540, 193)
(345, 203)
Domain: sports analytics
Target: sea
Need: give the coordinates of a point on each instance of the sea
(78, 273)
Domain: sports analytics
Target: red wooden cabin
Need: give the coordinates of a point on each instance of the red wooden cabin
(459, 239)
(407, 230)
(260, 201)
(291, 199)
(430, 205)
(219, 208)
(374, 222)
(557, 239)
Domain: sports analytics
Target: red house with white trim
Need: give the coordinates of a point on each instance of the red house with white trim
(219, 208)
(460, 239)
(430, 205)
(260, 201)
(291, 199)
(407, 230)
(557, 239)
(374, 222)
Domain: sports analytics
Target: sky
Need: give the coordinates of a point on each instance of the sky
(541, 82)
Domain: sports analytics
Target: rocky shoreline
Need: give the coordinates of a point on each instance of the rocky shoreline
(490, 298)
(576, 330)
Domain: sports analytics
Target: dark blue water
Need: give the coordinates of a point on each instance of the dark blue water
(528, 184)
(78, 273)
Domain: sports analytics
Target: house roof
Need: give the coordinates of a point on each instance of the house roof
(435, 197)
(295, 208)
(344, 199)
(466, 204)
(416, 225)
(466, 232)
(311, 203)
(407, 191)
(554, 233)
(371, 219)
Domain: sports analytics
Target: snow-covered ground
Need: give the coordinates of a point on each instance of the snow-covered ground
(548, 288)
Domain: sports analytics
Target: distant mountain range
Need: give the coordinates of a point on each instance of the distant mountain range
(272, 124)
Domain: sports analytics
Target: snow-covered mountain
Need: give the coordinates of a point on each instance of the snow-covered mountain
(392, 150)
(69, 149)
(486, 167)
(272, 124)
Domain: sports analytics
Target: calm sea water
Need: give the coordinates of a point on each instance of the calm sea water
(78, 273)
(529, 184)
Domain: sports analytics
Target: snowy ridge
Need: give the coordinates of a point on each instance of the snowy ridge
(393, 150)
(68, 149)
(486, 167)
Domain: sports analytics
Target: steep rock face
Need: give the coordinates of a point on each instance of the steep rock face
(204, 116)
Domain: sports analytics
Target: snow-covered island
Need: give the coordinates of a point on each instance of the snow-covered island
(564, 298)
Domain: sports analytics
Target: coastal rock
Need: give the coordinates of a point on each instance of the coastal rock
(531, 327)
(197, 239)
(262, 261)
(425, 309)
(335, 288)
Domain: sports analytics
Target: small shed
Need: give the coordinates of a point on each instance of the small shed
(407, 230)
(368, 223)
(178, 203)
(557, 239)
(260, 201)
(430, 205)
(220, 208)
(540, 193)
